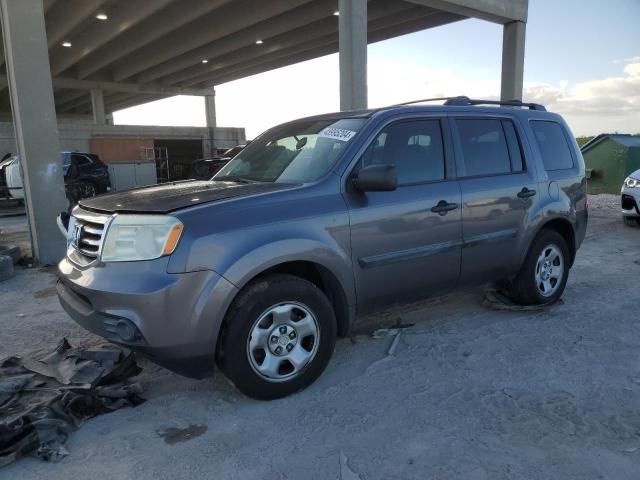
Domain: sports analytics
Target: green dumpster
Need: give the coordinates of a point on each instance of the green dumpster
(609, 159)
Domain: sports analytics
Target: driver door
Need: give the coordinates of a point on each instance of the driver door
(404, 247)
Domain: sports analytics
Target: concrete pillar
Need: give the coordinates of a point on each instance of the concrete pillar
(210, 114)
(97, 104)
(210, 109)
(353, 54)
(513, 37)
(36, 129)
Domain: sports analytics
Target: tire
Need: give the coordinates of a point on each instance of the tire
(274, 319)
(631, 221)
(6, 267)
(543, 275)
(11, 251)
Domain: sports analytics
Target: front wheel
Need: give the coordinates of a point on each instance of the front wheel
(278, 337)
(544, 273)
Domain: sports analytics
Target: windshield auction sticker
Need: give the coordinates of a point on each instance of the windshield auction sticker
(337, 134)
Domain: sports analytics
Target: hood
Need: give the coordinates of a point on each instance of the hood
(169, 197)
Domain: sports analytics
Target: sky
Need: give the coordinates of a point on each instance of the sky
(582, 60)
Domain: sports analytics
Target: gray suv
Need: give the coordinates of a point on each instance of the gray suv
(321, 220)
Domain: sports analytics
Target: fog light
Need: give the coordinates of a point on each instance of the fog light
(125, 330)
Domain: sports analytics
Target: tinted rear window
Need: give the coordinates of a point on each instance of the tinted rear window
(484, 147)
(553, 145)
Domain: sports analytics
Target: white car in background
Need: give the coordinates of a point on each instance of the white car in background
(13, 177)
(630, 199)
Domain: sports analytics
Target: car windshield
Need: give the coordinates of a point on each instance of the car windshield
(297, 152)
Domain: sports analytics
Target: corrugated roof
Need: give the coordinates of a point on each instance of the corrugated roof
(625, 139)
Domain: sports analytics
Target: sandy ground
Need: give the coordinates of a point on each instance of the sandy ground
(469, 393)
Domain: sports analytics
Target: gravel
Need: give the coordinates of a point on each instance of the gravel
(467, 393)
(604, 200)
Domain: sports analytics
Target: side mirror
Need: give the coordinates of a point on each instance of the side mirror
(376, 178)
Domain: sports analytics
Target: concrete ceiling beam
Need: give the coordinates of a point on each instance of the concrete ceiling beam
(83, 101)
(228, 19)
(86, 40)
(65, 96)
(138, 100)
(288, 58)
(286, 49)
(497, 11)
(271, 27)
(46, 4)
(63, 17)
(304, 21)
(156, 26)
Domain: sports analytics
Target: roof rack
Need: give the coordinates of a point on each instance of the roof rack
(462, 101)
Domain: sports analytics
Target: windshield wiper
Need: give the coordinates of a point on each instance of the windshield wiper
(234, 178)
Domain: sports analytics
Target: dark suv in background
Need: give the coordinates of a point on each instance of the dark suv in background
(85, 174)
(323, 219)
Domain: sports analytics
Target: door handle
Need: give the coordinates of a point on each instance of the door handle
(442, 208)
(526, 193)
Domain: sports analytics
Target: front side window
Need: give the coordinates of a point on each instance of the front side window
(414, 147)
(297, 152)
(483, 146)
(553, 145)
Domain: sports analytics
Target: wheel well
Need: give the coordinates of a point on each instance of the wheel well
(326, 281)
(564, 228)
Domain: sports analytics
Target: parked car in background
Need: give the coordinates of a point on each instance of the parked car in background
(13, 178)
(86, 173)
(630, 199)
(84, 176)
(4, 190)
(205, 168)
(319, 221)
(233, 151)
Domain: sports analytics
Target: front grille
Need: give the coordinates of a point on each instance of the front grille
(86, 236)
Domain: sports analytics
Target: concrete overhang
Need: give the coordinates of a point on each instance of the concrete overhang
(145, 50)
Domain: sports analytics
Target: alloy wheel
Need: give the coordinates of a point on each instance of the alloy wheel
(283, 341)
(549, 270)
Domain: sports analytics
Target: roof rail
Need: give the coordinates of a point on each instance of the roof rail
(510, 103)
(465, 101)
(435, 99)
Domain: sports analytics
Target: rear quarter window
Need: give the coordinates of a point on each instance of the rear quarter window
(553, 145)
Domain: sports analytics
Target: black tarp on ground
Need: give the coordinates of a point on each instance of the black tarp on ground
(45, 397)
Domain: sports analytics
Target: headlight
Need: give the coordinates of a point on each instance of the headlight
(141, 237)
(631, 182)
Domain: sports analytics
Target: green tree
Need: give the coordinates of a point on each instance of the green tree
(582, 140)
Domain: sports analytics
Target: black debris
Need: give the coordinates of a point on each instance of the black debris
(174, 435)
(43, 398)
(497, 300)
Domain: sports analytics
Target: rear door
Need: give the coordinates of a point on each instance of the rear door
(498, 189)
(404, 246)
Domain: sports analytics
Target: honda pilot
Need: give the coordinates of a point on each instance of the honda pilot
(319, 221)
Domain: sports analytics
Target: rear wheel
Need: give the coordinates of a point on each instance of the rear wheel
(544, 273)
(278, 337)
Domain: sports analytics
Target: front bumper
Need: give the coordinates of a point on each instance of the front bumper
(630, 201)
(172, 318)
